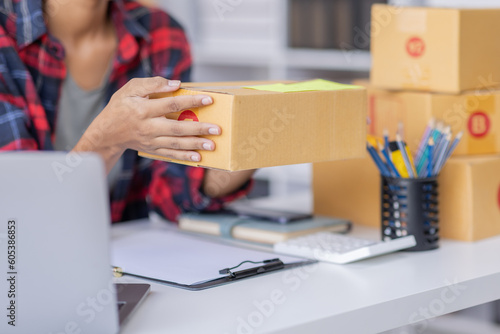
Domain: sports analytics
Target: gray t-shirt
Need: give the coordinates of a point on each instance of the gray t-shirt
(77, 109)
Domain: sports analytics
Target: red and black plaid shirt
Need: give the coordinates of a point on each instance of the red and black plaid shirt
(32, 69)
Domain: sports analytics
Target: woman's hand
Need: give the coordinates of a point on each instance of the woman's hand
(133, 121)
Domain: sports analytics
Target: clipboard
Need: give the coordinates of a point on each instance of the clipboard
(192, 262)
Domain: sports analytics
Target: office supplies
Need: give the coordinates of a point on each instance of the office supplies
(385, 152)
(410, 207)
(257, 230)
(424, 141)
(440, 156)
(401, 130)
(54, 221)
(378, 161)
(190, 262)
(397, 159)
(386, 139)
(340, 249)
(430, 158)
(406, 156)
(453, 145)
(423, 162)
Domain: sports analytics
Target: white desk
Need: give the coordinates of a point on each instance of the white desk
(365, 297)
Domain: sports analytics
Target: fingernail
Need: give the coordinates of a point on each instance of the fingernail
(207, 146)
(206, 101)
(174, 83)
(195, 158)
(213, 131)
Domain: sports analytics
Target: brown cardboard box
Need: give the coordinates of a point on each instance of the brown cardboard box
(265, 128)
(469, 195)
(433, 49)
(476, 113)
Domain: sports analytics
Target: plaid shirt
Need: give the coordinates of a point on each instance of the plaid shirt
(32, 68)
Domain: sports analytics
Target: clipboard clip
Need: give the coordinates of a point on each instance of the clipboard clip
(267, 266)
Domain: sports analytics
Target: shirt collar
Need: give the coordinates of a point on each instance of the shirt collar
(30, 23)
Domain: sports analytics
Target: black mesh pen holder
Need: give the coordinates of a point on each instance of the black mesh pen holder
(410, 207)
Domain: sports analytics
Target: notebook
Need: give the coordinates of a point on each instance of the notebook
(255, 230)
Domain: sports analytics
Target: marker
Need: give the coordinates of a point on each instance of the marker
(386, 139)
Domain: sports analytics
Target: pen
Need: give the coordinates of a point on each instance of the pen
(401, 130)
(424, 141)
(406, 156)
(378, 161)
(386, 139)
(392, 168)
(429, 161)
(453, 145)
(441, 155)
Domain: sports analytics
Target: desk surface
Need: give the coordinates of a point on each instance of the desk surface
(366, 297)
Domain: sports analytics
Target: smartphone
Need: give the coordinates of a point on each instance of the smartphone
(278, 216)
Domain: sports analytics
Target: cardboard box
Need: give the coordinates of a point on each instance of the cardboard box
(476, 113)
(434, 49)
(469, 195)
(268, 128)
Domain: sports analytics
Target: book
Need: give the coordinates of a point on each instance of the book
(255, 230)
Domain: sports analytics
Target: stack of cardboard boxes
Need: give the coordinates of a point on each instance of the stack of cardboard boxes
(429, 63)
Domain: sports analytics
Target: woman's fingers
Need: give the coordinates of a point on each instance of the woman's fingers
(162, 126)
(178, 155)
(182, 143)
(167, 105)
(142, 87)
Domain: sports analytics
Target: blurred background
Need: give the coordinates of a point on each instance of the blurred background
(298, 40)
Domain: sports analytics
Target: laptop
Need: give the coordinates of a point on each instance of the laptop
(55, 272)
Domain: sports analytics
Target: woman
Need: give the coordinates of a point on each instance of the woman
(76, 75)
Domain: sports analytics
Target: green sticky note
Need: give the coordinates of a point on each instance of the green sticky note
(305, 86)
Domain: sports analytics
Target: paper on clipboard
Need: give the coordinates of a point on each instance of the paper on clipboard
(176, 257)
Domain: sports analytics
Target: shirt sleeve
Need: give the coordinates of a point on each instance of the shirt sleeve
(15, 123)
(177, 188)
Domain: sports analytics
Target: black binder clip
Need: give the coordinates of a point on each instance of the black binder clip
(268, 265)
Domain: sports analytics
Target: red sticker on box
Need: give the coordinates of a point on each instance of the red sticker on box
(415, 47)
(188, 115)
(479, 124)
